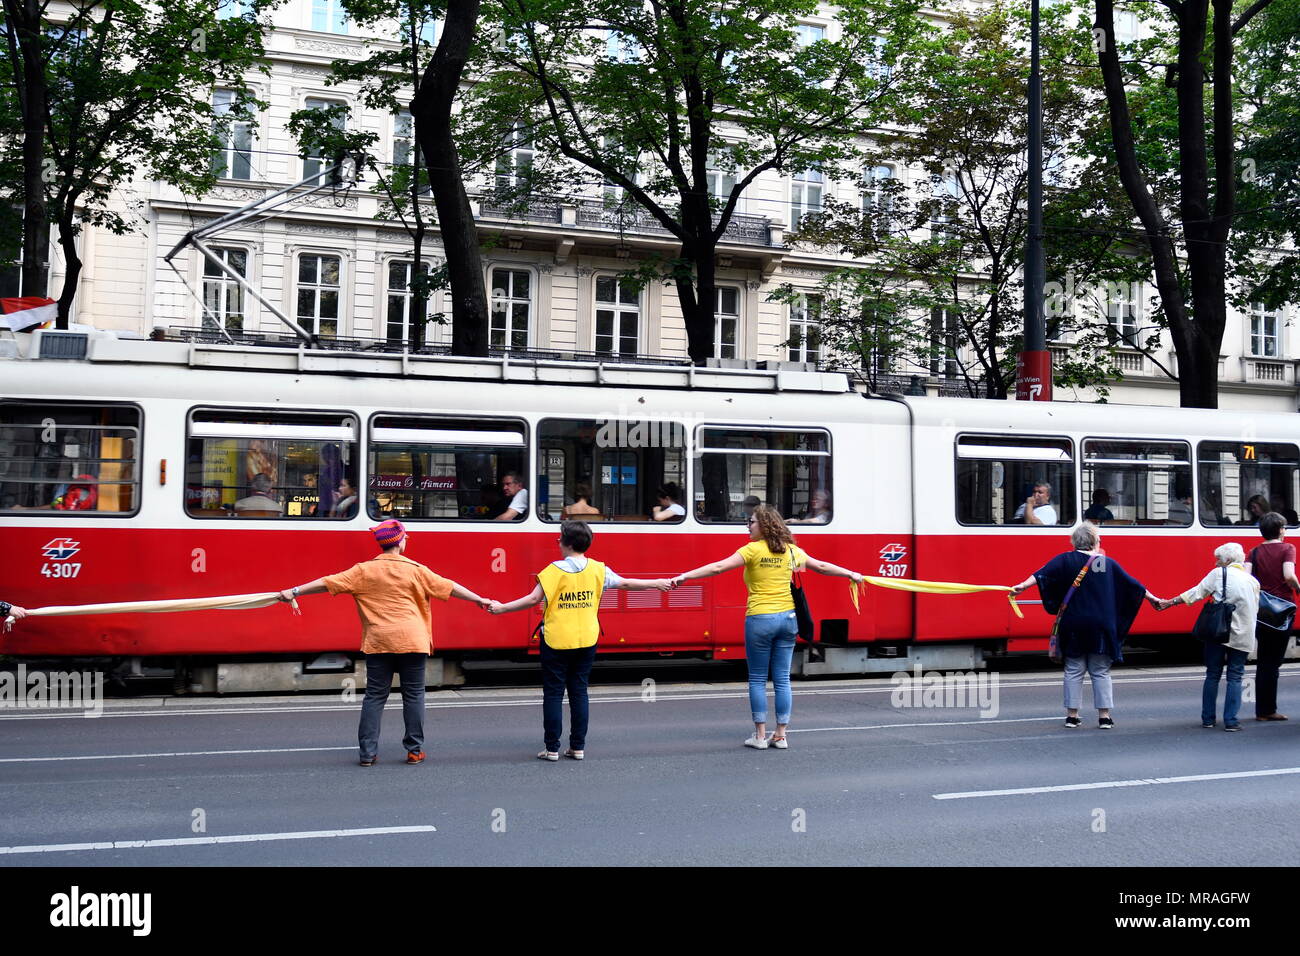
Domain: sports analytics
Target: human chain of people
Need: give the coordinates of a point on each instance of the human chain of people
(1093, 598)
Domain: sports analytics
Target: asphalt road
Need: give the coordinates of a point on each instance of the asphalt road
(666, 781)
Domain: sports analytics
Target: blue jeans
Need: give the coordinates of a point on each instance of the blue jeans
(769, 646)
(565, 670)
(379, 681)
(1216, 655)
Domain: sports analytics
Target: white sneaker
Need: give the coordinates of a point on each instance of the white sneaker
(780, 743)
(549, 755)
(758, 743)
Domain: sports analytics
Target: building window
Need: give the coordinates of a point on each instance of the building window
(1137, 482)
(618, 316)
(426, 469)
(313, 164)
(329, 16)
(1264, 338)
(943, 343)
(997, 475)
(251, 464)
(1121, 309)
(809, 33)
(877, 199)
(805, 329)
(787, 469)
(512, 309)
(720, 182)
(403, 138)
(944, 190)
(318, 293)
(1126, 27)
(805, 195)
(401, 300)
(726, 324)
(516, 160)
(223, 296)
(84, 463)
(233, 157)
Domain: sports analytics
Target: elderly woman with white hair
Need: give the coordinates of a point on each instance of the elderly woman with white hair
(1096, 601)
(1229, 581)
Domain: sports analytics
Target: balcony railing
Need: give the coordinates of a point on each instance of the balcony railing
(625, 217)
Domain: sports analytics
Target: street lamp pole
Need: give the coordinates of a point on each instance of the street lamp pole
(1034, 364)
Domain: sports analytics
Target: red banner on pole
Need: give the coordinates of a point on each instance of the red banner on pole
(1034, 376)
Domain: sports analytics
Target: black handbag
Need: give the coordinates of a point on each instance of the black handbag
(1214, 626)
(1275, 613)
(803, 616)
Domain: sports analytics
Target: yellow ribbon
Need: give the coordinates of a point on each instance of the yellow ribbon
(929, 587)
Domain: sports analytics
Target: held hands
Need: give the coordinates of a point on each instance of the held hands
(677, 581)
(665, 584)
(16, 612)
(855, 577)
(1019, 588)
(285, 596)
(494, 607)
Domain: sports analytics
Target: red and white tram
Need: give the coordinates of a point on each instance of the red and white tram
(137, 470)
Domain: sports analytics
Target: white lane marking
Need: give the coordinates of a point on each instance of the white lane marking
(208, 841)
(1112, 784)
(933, 723)
(291, 750)
(534, 701)
(184, 753)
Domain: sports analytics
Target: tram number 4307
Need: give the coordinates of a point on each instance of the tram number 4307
(893, 570)
(60, 570)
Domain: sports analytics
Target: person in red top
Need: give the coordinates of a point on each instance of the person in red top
(392, 594)
(1273, 564)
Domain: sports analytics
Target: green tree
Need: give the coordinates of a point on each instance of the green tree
(951, 251)
(109, 91)
(683, 104)
(1185, 198)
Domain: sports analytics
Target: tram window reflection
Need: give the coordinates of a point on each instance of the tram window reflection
(789, 469)
(63, 459)
(1012, 480)
(611, 470)
(1243, 481)
(425, 468)
(1144, 482)
(250, 464)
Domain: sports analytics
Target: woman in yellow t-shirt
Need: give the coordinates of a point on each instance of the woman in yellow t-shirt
(769, 561)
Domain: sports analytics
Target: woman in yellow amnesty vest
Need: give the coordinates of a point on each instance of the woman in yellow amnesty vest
(571, 588)
(769, 561)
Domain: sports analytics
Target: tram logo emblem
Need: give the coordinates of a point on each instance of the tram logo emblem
(60, 549)
(893, 552)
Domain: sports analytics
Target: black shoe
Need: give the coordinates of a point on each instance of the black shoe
(1231, 728)
(368, 761)
(1207, 724)
(1072, 723)
(1105, 723)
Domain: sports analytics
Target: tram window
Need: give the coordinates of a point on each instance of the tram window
(252, 464)
(1137, 482)
(57, 459)
(1242, 481)
(451, 469)
(611, 470)
(997, 475)
(789, 469)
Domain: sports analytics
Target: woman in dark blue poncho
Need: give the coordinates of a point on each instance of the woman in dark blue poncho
(1096, 618)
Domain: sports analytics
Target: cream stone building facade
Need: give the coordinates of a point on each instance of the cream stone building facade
(340, 271)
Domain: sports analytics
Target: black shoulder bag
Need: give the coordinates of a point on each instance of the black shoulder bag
(1214, 626)
(1275, 613)
(802, 614)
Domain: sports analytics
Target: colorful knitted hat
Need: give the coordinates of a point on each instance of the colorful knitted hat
(388, 533)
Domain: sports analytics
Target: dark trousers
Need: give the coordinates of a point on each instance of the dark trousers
(379, 681)
(561, 671)
(1270, 646)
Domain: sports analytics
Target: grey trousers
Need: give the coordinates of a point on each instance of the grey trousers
(379, 681)
(1098, 668)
